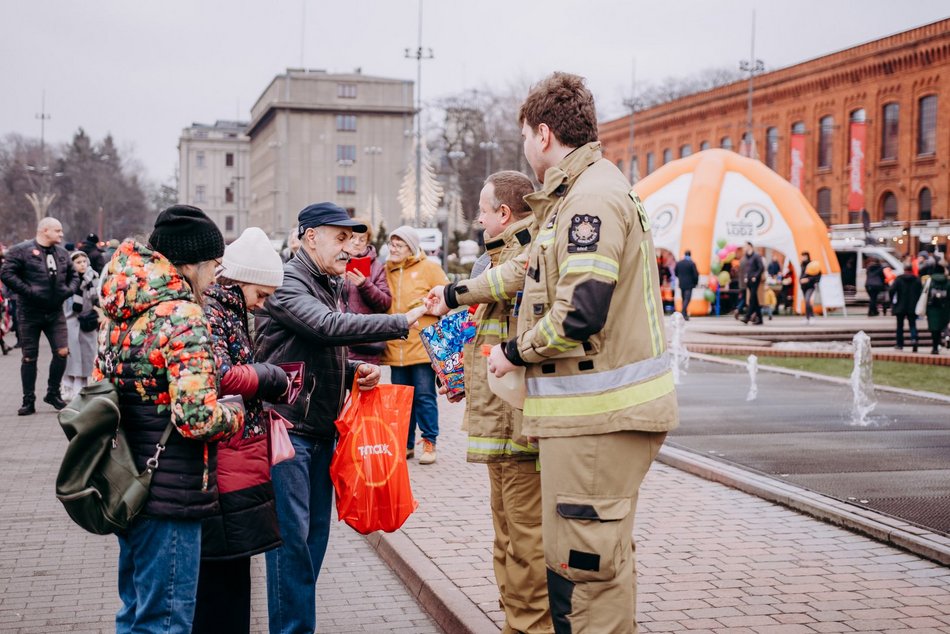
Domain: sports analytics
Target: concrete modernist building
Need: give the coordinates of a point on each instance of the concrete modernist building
(319, 136)
(867, 128)
(214, 165)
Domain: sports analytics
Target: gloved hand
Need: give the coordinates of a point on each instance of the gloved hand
(272, 382)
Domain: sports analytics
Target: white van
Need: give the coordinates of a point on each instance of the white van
(852, 258)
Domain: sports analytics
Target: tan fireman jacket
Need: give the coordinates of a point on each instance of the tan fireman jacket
(590, 327)
(494, 427)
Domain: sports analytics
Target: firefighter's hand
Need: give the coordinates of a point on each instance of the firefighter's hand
(368, 376)
(498, 363)
(435, 301)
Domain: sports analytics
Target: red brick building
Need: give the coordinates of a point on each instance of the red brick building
(863, 128)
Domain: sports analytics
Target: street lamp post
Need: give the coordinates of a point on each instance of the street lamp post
(752, 66)
(488, 147)
(372, 151)
(419, 55)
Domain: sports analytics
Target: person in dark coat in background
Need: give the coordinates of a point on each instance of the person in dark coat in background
(366, 295)
(40, 273)
(809, 283)
(875, 286)
(904, 295)
(90, 246)
(938, 305)
(753, 269)
(687, 276)
(246, 521)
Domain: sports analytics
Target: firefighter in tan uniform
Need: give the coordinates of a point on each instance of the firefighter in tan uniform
(600, 394)
(494, 427)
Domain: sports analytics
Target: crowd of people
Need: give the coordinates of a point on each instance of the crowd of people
(182, 324)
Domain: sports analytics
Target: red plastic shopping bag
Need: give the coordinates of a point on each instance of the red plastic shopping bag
(369, 469)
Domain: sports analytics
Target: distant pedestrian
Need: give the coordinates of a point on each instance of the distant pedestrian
(40, 273)
(83, 343)
(156, 349)
(904, 295)
(875, 286)
(410, 275)
(810, 276)
(245, 523)
(938, 305)
(365, 294)
(90, 246)
(775, 267)
(687, 277)
(753, 269)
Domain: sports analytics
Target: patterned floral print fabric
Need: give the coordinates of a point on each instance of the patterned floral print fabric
(226, 312)
(158, 345)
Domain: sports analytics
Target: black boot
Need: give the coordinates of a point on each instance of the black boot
(915, 345)
(54, 399)
(27, 408)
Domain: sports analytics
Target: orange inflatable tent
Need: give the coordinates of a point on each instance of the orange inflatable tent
(717, 196)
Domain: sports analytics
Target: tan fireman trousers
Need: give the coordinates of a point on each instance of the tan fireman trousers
(589, 488)
(518, 551)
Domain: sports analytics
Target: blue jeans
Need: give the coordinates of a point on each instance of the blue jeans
(304, 495)
(158, 576)
(425, 409)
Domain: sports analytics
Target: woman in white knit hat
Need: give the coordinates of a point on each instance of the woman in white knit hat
(251, 270)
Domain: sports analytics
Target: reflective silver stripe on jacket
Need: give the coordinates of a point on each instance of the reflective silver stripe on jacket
(600, 381)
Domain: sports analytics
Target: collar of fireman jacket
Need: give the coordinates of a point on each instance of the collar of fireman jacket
(514, 235)
(558, 179)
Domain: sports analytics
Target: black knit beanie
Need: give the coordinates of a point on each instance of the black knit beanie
(185, 235)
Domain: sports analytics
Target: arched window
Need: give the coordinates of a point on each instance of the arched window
(771, 147)
(889, 207)
(891, 116)
(686, 150)
(927, 125)
(825, 136)
(704, 146)
(824, 205)
(798, 127)
(924, 203)
(620, 165)
(651, 163)
(667, 155)
(725, 143)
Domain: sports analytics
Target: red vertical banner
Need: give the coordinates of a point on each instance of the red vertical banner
(796, 174)
(856, 166)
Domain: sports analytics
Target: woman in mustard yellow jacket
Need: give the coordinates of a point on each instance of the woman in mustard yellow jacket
(410, 276)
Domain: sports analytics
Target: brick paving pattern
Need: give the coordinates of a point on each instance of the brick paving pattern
(711, 558)
(54, 577)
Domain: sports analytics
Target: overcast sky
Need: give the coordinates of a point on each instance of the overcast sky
(145, 69)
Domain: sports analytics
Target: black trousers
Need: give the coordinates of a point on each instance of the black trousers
(31, 323)
(754, 309)
(224, 597)
(687, 296)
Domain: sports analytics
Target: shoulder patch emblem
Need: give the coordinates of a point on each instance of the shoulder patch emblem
(584, 234)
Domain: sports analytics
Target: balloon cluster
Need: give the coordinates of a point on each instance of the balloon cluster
(721, 261)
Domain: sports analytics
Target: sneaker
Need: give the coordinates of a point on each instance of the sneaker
(410, 453)
(26, 410)
(55, 400)
(428, 452)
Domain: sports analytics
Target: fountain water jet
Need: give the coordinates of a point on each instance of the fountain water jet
(753, 366)
(862, 381)
(677, 349)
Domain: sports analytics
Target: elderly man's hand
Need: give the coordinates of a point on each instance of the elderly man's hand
(435, 302)
(368, 376)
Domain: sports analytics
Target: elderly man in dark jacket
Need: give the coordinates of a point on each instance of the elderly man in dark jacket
(302, 321)
(39, 271)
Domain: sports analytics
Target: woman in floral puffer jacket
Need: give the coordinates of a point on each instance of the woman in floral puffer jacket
(156, 350)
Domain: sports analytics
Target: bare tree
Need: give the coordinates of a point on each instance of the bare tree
(669, 89)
